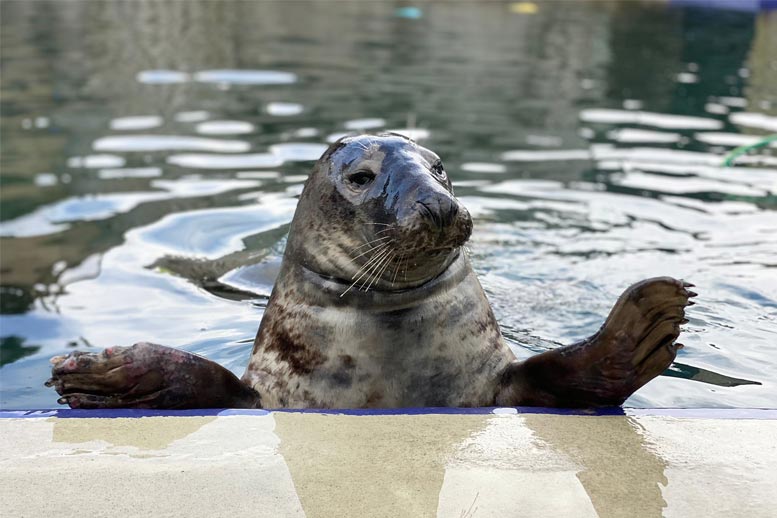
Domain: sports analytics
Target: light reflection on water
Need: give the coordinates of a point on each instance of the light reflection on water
(152, 153)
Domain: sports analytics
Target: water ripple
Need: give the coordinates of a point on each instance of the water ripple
(95, 161)
(246, 77)
(365, 124)
(162, 77)
(585, 169)
(298, 151)
(49, 219)
(658, 120)
(213, 233)
(137, 122)
(754, 120)
(279, 109)
(225, 76)
(225, 127)
(208, 161)
(148, 143)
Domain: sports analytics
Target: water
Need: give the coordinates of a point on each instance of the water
(152, 152)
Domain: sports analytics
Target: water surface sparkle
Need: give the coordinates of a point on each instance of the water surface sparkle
(147, 188)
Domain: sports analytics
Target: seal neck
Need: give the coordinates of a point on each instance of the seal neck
(332, 291)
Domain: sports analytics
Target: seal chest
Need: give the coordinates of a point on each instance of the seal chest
(444, 350)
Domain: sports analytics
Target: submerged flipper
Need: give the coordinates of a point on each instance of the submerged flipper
(147, 376)
(635, 344)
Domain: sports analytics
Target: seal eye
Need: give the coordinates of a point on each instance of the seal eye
(361, 178)
(438, 171)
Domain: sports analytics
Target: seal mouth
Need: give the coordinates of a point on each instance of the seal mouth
(391, 268)
(395, 255)
(343, 286)
(329, 290)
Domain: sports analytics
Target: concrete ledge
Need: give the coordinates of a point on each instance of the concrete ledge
(419, 462)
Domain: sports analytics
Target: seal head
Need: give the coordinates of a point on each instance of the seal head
(378, 213)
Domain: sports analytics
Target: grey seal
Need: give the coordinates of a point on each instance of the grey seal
(377, 305)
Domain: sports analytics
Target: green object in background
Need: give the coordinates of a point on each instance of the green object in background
(741, 150)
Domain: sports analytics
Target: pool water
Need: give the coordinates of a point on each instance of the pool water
(152, 153)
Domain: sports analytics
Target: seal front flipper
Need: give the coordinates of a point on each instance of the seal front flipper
(635, 344)
(147, 376)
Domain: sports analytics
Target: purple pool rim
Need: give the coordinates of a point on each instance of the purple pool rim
(694, 413)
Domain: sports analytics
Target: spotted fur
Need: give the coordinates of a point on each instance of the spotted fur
(419, 334)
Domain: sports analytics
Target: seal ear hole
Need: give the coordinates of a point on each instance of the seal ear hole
(361, 178)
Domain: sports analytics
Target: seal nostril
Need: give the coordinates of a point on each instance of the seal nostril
(442, 211)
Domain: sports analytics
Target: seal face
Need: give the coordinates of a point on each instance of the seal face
(374, 289)
(378, 213)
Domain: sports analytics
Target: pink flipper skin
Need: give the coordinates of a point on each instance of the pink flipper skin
(146, 376)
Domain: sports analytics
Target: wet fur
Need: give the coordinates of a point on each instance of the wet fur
(315, 351)
(337, 346)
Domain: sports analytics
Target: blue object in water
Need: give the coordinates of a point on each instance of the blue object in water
(733, 5)
(412, 13)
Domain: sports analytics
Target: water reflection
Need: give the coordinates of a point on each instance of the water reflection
(371, 465)
(152, 456)
(12, 348)
(151, 143)
(137, 122)
(600, 445)
(147, 435)
(449, 465)
(689, 372)
(292, 464)
(657, 120)
(588, 149)
(225, 128)
(246, 77)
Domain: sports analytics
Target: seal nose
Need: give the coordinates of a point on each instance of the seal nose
(440, 210)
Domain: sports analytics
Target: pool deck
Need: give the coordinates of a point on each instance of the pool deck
(446, 463)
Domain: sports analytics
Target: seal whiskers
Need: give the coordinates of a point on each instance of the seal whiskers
(379, 224)
(396, 270)
(371, 263)
(379, 274)
(377, 251)
(376, 266)
(369, 249)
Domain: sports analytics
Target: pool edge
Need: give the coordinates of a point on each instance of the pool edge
(695, 413)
